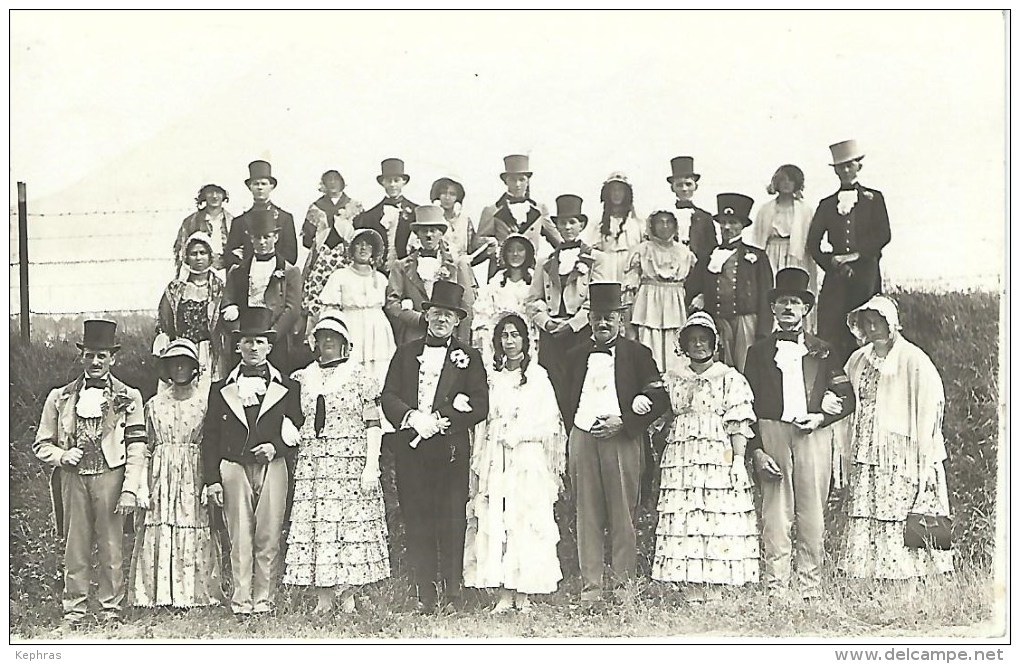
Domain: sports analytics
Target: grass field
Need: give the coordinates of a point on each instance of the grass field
(958, 330)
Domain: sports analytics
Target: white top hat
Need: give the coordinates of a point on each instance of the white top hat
(845, 151)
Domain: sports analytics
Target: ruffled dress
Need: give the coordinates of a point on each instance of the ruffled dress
(361, 298)
(658, 270)
(516, 466)
(338, 531)
(884, 482)
(707, 531)
(176, 553)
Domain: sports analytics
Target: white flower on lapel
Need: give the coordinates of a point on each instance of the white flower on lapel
(751, 258)
(581, 268)
(868, 195)
(278, 274)
(249, 388)
(460, 359)
(123, 404)
(90, 403)
(845, 201)
(462, 403)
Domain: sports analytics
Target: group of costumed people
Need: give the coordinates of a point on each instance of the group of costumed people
(586, 353)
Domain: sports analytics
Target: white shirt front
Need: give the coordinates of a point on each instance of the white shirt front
(790, 360)
(431, 359)
(258, 281)
(598, 394)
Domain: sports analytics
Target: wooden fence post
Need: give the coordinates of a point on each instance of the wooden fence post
(26, 330)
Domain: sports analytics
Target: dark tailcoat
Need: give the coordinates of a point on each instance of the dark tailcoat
(286, 245)
(372, 218)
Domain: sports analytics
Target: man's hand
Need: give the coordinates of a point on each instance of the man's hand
(766, 465)
(607, 427)
(809, 423)
(213, 493)
(264, 453)
(424, 424)
(641, 405)
(698, 302)
(239, 253)
(832, 404)
(231, 313)
(71, 457)
(126, 504)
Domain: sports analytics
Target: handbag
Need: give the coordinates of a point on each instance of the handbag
(922, 531)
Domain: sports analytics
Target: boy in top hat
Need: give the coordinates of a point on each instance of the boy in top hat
(261, 184)
(92, 431)
(412, 279)
(250, 430)
(516, 212)
(694, 224)
(732, 283)
(392, 216)
(614, 392)
(857, 224)
(558, 299)
(435, 392)
(265, 279)
(792, 374)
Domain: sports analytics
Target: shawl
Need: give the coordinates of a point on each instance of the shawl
(759, 232)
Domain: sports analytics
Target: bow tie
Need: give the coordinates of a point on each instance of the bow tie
(848, 187)
(516, 200)
(423, 253)
(793, 336)
(732, 244)
(393, 201)
(680, 205)
(574, 244)
(261, 371)
(436, 342)
(265, 259)
(604, 348)
(95, 382)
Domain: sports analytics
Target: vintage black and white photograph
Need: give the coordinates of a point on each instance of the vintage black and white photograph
(447, 326)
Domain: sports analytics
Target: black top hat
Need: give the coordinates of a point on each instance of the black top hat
(792, 281)
(605, 296)
(255, 322)
(391, 167)
(263, 222)
(259, 169)
(734, 205)
(569, 205)
(441, 184)
(447, 295)
(682, 167)
(99, 335)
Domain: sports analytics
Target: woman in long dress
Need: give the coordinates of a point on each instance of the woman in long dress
(656, 274)
(781, 227)
(896, 450)
(190, 309)
(176, 556)
(359, 290)
(338, 537)
(516, 464)
(707, 533)
(505, 293)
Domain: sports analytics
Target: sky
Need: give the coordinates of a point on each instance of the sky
(121, 111)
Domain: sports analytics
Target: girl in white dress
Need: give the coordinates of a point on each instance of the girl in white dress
(505, 292)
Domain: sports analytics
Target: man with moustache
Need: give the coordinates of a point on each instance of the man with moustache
(614, 393)
(435, 393)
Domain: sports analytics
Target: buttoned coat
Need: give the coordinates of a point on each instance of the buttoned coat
(497, 221)
(754, 280)
(229, 435)
(286, 245)
(543, 301)
(405, 284)
(282, 295)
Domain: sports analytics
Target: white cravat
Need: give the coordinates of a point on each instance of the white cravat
(519, 211)
(431, 359)
(568, 259)
(428, 267)
(845, 201)
(719, 257)
(258, 281)
(598, 394)
(790, 360)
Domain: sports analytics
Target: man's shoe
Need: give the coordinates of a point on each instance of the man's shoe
(110, 617)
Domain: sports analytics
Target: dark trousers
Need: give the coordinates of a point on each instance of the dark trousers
(552, 356)
(839, 295)
(433, 493)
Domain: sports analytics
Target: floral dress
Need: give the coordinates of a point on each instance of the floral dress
(884, 482)
(338, 531)
(176, 555)
(516, 462)
(707, 531)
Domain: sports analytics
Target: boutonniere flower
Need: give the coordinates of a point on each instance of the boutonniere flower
(821, 352)
(462, 403)
(868, 194)
(751, 258)
(406, 304)
(123, 404)
(581, 268)
(460, 359)
(278, 274)
(443, 273)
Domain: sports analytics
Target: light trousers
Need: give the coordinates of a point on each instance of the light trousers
(254, 502)
(798, 497)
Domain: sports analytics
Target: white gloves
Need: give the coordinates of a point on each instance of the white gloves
(289, 433)
(231, 313)
(212, 493)
(641, 405)
(424, 425)
(831, 404)
(462, 403)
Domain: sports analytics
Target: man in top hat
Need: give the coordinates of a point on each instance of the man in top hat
(614, 392)
(516, 212)
(694, 223)
(857, 225)
(732, 283)
(792, 373)
(92, 431)
(392, 216)
(435, 392)
(558, 299)
(413, 278)
(250, 430)
(261, 184)
(265, 279)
